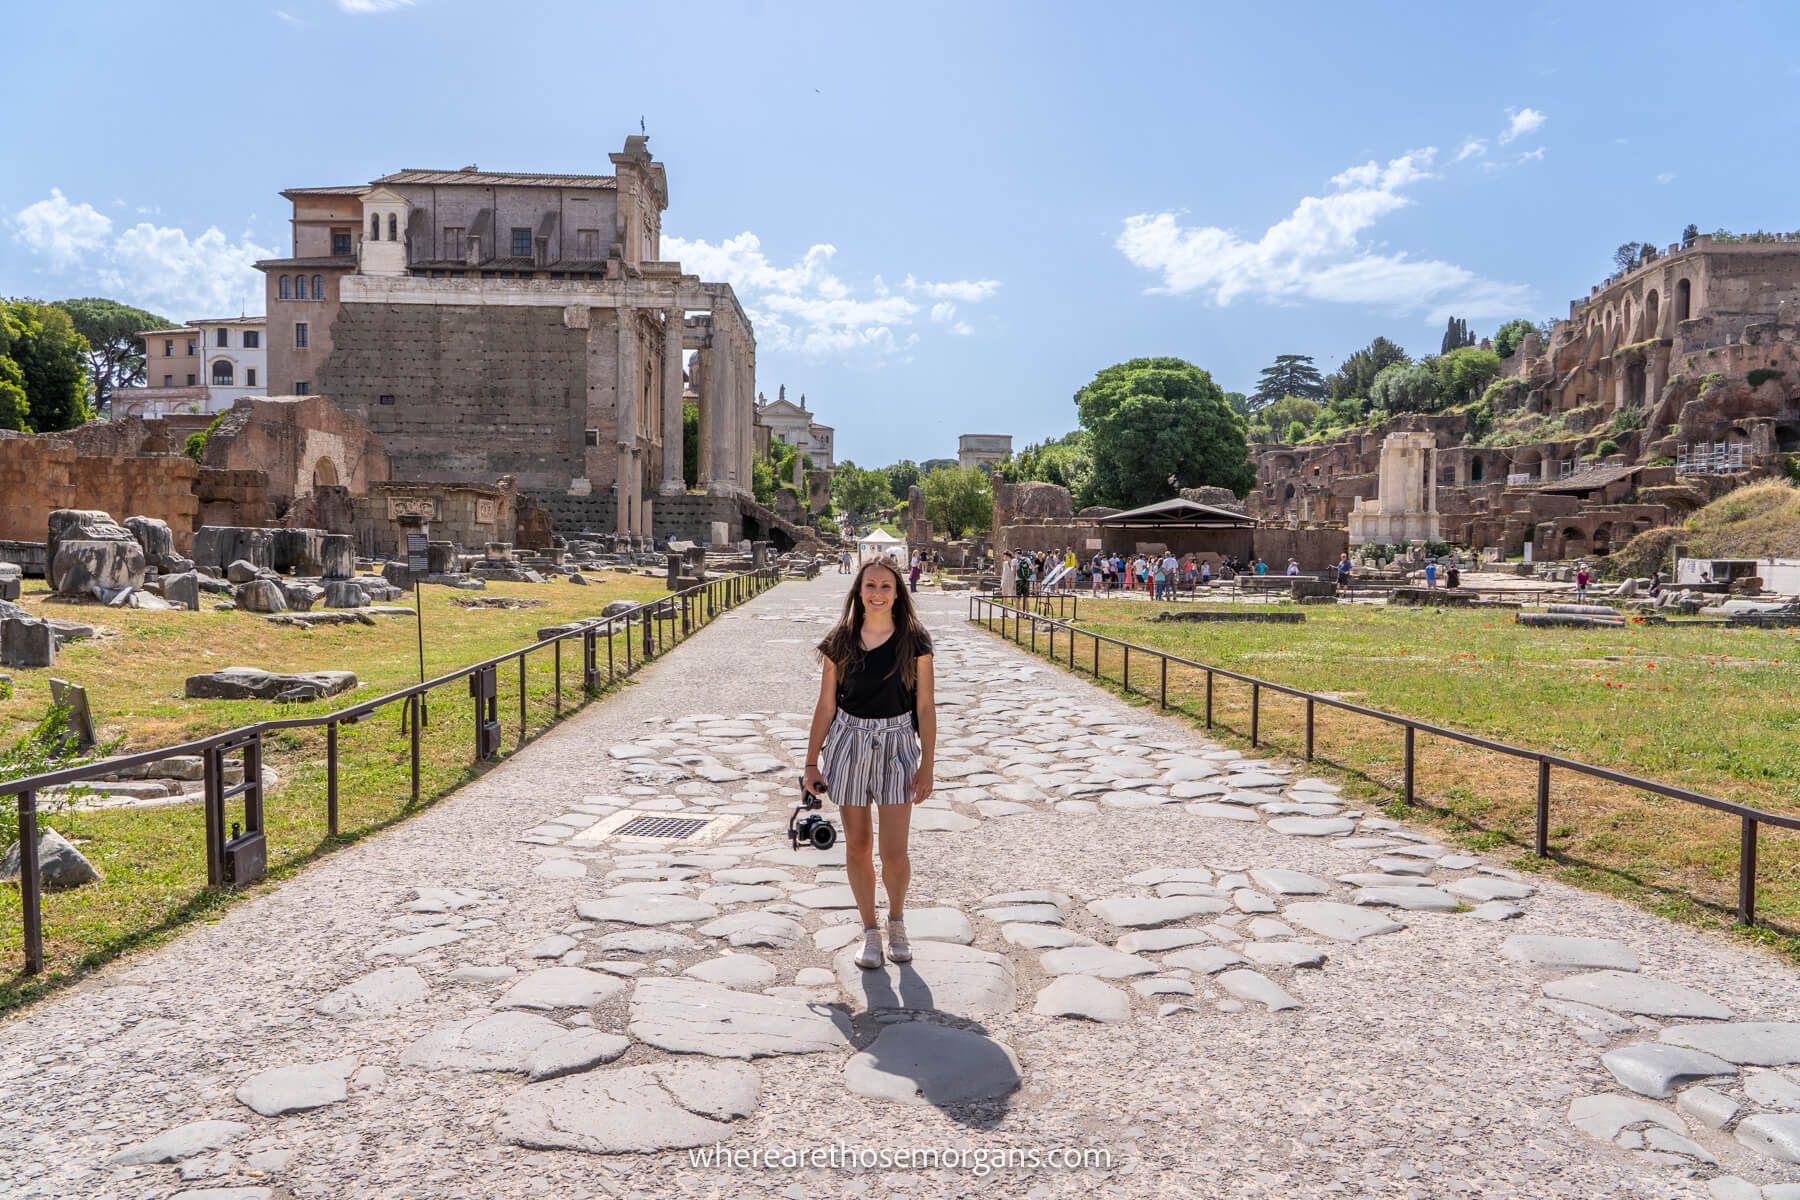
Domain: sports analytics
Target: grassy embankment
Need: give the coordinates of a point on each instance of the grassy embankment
(153, 861)
(1701, 707)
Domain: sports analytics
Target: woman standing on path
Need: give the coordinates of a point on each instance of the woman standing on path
(873, 741)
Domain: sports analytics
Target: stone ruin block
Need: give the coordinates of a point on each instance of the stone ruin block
(345, 593)
(297, 551)
(86, 549)
(218, 546)
(440, 557)
(337, 556)
(261, 595)
(27, 642)
(154, 536)
(182, 590)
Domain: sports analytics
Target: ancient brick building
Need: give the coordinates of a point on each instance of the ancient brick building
(486, 324)
(1688, 365)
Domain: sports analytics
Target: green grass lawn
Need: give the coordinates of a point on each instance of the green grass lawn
(153, 861)
(1700, 707)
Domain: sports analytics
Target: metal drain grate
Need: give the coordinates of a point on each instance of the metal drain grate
(661, 827)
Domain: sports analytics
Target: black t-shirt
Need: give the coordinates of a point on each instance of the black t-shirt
(873, 687)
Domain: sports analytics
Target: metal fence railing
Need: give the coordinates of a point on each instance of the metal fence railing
(649, 629)
(987, 611)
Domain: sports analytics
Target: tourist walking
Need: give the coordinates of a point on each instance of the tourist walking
(1452, 576)
(912, 573)
(1430, 576)
(1262, 568)
(1206, 572)
(844, 561)
(1343, 571)
(873, 742)
(1583, 577)
(1009, 567)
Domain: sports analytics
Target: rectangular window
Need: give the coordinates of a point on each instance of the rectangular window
(453, 243)
(340, 243)
(190, 381)
(252, 339)
(224, 339)
(302, 388)
(587, 243)
(249, 376)
(168, 348)
(521, 243)
(385, 400)
(190, 347)
(593, 437)
(168, 381)
(299, 338)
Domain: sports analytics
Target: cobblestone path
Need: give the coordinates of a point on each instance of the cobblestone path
(1130, 943)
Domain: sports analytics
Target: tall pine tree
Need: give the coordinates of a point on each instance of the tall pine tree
(1456, 335)
(1289, 375)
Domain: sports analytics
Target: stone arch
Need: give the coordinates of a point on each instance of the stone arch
(1283, 462)
(1602, 539)
(1609, 318)
(1625, 317)
(324, 473)
(1652, 312)
(223, 373)
(1574, 542)
(1684, 300)
(1287, 493)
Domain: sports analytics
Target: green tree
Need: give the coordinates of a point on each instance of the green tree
(1462, 375)
(958, 500)
(1405, 387)
(690, 444)
(1067, 462)
(115, 355)
(52, 362)
(15, 410)
(1357, 373)
(1276, 420)
(1456, 336)
(1630, 254)
(903, 475)
(1509, 336)
(1288, 375)
(859, 493)
(1153, 419)
(1238, 403)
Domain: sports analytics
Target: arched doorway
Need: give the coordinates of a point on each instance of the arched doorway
(1684, 300)
(1602, 541)
(325, 473)
(1652, 313)
(1476, 470)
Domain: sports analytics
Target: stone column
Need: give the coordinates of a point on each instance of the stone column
(673, 483)
(723, 397)
(627, 486)
(705, 373)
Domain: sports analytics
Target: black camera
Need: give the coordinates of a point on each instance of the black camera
(812, 828)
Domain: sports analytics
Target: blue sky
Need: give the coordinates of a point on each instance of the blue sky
(944, 218)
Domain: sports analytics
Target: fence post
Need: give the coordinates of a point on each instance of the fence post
(611, 673)
(1309, 728)
(557, 647)
(213, 774)
(1409, 764)
(649, 634)
(331, 779)
(1127, 672)
(415, 746)
(1209, 694)
(522, 716)
(31, 894)
(1034, 625)
(1096, 638)
(1162, 698)
(1543, 809)
(1255, 712)
(687, 625)
(1747, 873)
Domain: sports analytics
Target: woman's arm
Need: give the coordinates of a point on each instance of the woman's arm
(926, 698)
(823, 712)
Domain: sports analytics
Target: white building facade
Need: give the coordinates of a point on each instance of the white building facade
(793, 424)
(236, 361)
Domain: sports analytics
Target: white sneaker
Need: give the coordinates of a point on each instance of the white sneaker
(898, 949)
(870, 958)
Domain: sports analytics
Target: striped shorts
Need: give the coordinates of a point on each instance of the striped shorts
(870, 760)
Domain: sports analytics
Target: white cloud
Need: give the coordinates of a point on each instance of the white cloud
(157, 266)
(1473, 148)
(805, 307)
(1521, 121)
(360, 8)
(284, 15)
(1318, 252)
(60, 231)
(1533, 155)
(1666, 177)
(962, 329)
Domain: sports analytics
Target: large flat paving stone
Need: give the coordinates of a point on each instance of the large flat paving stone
(1257, 989)
(1656, 1070)
(560, 987)
(1312, 826)
(1623, 991)
(734, 970)
(746, 929)
(1098, 961)
(689, 1016)
(183, 1141)
(1128, 912)
(1207, 960)
(1339, 922)
(501, 1041)
(1775, 1135)
(915, 1062)
(1289, 883)
(377, 993)
(1412, 899)
(1482, 888)
(1607, 1115)
(298, 1088)
(633, 1110)
(1557, 953)
(942, 976)
(1085, 998)
(416, 943)
(1747, 1043)
(646, 910)
(574, 1050)
(1048, 914)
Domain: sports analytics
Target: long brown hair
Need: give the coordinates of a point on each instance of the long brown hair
(843, 645)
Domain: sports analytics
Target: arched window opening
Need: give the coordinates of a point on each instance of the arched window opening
(374, 227)
(1684, 299)
(281, 288)
(393, 227)
(1652, 313)
(318, 287)
(222, 374)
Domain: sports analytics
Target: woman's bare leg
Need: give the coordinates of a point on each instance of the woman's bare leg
(859, 863)
(896, 868)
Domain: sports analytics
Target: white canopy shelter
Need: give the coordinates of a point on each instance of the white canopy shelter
(880, 541)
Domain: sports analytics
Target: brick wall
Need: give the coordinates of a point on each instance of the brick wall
(41, 474)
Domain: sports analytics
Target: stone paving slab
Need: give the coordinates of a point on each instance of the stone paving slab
(1128, 938)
